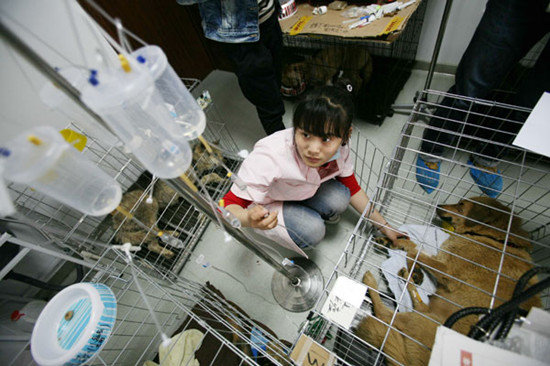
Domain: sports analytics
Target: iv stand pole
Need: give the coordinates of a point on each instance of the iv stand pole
(435, 54)
(292, 279)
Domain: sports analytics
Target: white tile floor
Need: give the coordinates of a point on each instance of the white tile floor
(242, 276)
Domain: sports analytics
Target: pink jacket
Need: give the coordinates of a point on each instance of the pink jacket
(274, 172)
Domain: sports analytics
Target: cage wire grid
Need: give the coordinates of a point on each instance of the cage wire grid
(401, 201)
(177, 303)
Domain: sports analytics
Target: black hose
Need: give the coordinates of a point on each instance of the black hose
(509, 319)
(465, 312)
(486, 324)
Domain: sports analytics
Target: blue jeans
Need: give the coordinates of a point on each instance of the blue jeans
(304, 220)
(506, 32)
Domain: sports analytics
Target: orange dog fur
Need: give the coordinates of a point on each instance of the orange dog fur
(465, 269)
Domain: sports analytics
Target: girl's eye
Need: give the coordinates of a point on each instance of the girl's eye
(306, 135)
(326, 139)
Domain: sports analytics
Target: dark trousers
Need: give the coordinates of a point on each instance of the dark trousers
(506, 32)
(258, 68)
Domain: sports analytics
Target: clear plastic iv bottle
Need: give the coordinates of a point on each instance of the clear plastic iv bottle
(41, 159)
(184, 108)
(129, 102)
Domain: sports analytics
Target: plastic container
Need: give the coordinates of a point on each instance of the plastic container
(25, 318)
(74, 325)
(56, 99)
(43, 160)
(184, 108)
(135, 111)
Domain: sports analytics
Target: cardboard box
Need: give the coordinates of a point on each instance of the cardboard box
(304, 22)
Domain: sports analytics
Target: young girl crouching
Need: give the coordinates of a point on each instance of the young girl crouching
(301, 178)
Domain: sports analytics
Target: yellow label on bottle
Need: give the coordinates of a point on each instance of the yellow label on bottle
(299, 25)
(77, 140)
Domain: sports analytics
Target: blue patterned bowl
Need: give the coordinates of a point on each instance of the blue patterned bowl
(74, 325)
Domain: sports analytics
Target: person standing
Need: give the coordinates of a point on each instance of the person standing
(252, 39)
(506, 32)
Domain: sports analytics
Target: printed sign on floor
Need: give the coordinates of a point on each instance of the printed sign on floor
(344, 301)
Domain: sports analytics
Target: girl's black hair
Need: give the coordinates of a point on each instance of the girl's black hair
(326, 111)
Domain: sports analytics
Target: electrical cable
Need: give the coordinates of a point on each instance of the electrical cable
(508, 321)
(488, 323)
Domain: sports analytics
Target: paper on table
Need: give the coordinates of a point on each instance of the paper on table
(536, 129)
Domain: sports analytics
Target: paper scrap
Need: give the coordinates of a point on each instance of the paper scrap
(536, 129)
(344, 300)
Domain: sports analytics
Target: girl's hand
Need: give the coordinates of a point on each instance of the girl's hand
(393, 234)
(260, 218)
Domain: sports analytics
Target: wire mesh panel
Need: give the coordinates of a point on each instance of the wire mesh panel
(201, 323)
(464, 250)
(156, 208)
(222, 333)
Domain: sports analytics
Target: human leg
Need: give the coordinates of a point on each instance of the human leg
(305, 220)
(502, 37)
(258, 69)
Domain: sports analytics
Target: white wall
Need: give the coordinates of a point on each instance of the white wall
(461, 23)
(54, 30)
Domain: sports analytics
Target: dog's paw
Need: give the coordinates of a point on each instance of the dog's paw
(383, 241)
(403, 273)
(369, 280)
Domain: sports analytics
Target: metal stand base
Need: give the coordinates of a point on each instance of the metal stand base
(301, 296)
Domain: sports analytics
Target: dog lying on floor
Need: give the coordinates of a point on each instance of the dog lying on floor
(465, 269)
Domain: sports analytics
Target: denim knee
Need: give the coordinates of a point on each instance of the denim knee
(310, 234)
(305, 226)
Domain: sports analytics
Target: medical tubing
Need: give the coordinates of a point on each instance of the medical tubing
(145, 299)
(487, 324)
(508, 321)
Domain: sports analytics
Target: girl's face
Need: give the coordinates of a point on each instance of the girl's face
(315, 151)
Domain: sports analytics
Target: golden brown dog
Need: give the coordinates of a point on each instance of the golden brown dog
(466, 270)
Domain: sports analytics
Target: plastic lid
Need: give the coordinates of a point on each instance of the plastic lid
(155, 59)
(74, 325)
(33, 153)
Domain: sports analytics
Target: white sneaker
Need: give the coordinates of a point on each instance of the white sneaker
(334, 219)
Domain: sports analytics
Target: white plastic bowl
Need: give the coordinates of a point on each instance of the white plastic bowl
(74, 325)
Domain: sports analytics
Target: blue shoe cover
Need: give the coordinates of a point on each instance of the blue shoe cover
(489, 183)
(427, 178)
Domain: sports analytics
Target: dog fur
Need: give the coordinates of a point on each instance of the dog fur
(341, 65)
(481, 225)
(130, 231)
(206, 163)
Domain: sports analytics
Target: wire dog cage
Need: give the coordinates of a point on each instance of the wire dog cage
(376, 67)
(401, 325)
(227, 334)
(169, 213)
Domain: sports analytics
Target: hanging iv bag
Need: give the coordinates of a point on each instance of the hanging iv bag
(41, 159)
(185, 110)
(57, 100)
(134, 110)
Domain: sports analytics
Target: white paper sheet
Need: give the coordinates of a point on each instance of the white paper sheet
(344, 300)
(534, 133)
